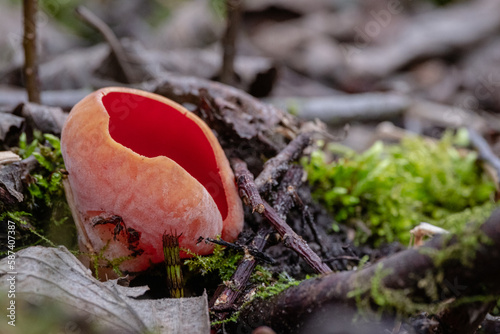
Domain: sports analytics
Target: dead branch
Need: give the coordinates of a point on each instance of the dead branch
(290, 238)
(408, 273)
(274, 167)
(30, 8)
(225, 296)
(233, 10)
(339, 109)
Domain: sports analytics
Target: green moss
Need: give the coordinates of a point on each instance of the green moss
(393, 301)
(391, 189)
(44, 216)
(222, 261)
(267, 286)
(271, 286)
(100, 261)
(469, 236)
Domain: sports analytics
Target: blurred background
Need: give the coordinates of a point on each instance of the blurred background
(424, 65)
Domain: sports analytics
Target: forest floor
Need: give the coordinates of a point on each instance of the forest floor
(347, 124)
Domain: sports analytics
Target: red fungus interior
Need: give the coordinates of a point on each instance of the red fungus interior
(152, 129)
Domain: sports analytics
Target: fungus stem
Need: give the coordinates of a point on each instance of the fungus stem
(173, 263)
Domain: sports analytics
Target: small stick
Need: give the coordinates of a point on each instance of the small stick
(294, 241)
(290, 238)
(173, 264)
(248, 190)
(30, 8)
(484, 149)
(116, 48)
(225, 295)
(278, 164)
(233, 10)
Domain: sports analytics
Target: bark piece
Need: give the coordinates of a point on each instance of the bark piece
(7, 122)
(12, 186)
(43, 118)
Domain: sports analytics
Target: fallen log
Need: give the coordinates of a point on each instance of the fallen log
(447, 274)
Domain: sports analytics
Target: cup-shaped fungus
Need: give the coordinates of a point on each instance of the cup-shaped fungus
(139, 165)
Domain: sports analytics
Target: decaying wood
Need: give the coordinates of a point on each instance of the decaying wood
(226, 295)
(490, 325)
(408, 272)
(443, 115)
(245, 249)
(290, 238)
(30, 8)
(13, 182)
(41, 117)
(307, 217)
(466, 318)
(9, 122)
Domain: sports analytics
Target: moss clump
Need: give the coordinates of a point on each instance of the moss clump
(469, 237)
(391, 189)
(222, 262)
(44, 216)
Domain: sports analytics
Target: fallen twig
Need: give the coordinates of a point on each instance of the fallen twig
(225, 296)
(248, 190)
(290, 238)
(339, 109)
(274, 167)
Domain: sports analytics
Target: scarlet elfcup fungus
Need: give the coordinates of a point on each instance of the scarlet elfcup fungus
(140, 164)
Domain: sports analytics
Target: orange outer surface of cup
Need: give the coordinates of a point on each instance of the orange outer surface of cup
(151, 195)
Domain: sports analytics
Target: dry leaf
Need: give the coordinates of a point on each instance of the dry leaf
(57, 274)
